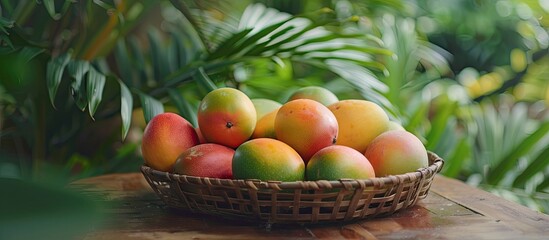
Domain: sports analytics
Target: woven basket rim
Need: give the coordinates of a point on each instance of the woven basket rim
(435, 166)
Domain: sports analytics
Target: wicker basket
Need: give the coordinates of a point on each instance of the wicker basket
(290, 202)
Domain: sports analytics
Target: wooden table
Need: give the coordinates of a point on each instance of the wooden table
(452, 210)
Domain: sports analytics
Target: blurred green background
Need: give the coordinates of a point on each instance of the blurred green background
(80, 79)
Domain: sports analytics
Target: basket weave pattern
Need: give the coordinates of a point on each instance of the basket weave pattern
(287, 202)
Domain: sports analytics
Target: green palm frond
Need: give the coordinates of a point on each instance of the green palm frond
(447, 131)
(267, 33)
(173, 66)
(510, 150)
(180, 56)
(55, 73)
(126, 107)
(94, 88)
(50, 7)
(361, 79)
(5, 24)
(77, 70)
(151, 106)
(415, 62)
(193, 52)
(257, 36)
(541, 161)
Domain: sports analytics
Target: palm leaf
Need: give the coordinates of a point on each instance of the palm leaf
(410, 53)
(50, 7)
(185, 74)
(183, 106)
(5, 39)
(540, 162)
(172, 50)
(290, 37)
(229, 43)
(185, 53)
(151, 106)
(262, 47)
(123, 63)
(4, 24)
(77, 70)
(456, 161)
(509, 161)
(214, 28)
(28, 53)
(94, 86)
(267, 32)
(249, 41)
(439, 123)
(345, 46)
(264, 32)
(361, 78)
(258, 16)
(138, 62)
(418, 112)
(433, 56)
(203, 80)
(54, 74)
(543, 185)
(158, 55)
(126, 108)
(190, 24)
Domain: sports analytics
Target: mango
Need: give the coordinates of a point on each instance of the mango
(267, 159)
(306, 125)
(226, 116)
(206, 160)
(360, 121)
(396, 152)
(165, 137)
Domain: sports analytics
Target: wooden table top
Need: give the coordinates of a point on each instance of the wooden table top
(452, 210)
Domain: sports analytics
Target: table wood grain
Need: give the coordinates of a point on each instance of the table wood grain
(452, 210)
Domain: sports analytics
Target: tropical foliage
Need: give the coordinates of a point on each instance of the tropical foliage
(80, 80)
